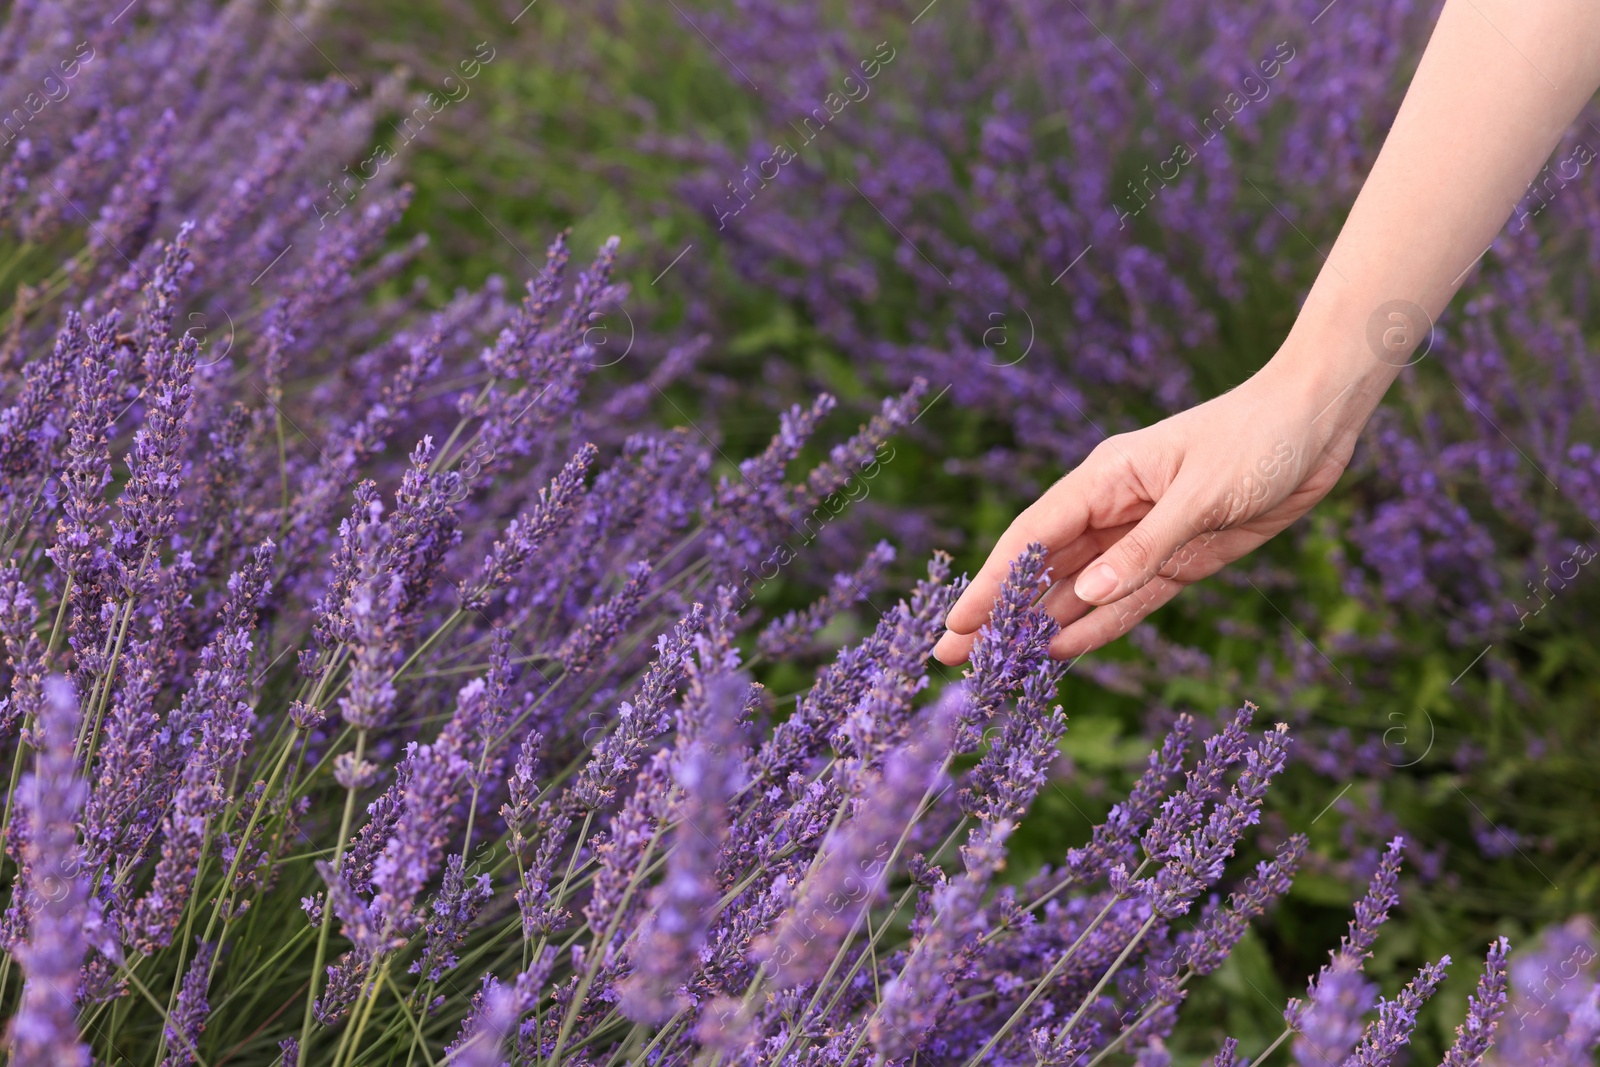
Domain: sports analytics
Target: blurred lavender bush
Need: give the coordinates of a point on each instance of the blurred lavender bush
(378, 682)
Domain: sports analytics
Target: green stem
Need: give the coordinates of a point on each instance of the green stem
(188, 931)
(1270, 1049)
(321, 953)
(417, 1040)
(244, 840)
(1055, 972)
(364, 1005)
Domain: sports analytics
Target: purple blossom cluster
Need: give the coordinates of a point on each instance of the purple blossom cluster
(379, 684)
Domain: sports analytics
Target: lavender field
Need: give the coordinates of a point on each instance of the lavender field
(480, 486)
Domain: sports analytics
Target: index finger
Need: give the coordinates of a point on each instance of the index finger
(1056, 518)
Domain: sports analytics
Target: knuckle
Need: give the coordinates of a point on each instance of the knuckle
(1112, 450)
(1139, 548)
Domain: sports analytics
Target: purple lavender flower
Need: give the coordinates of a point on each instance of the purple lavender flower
(605, 622)
(1012, 642)
(483, 1034)
(1332, 1021)
(853, 863)
(1209, 944)
(528, 531)
(1370, 912)
(1388, 1034)
(617, 754)
(450, 916)
(1475, 1035)
(1552, 1017)
(372, 611)
(1196, 860)
(916, 999)
(1113, 842)
(496, 1009)
(23, 649)
(191, 1010)
(149, 500)
(1228, 1055)
(425, 529)
(707, 773)
(214, 725)
(156, 915)
(55, 896)
(42, 381)
(79, 548)
(1203, 785)
(416, 847)
(537, 900)
(755, 511)
(1011, 772)
(864, 450)
(791, 633)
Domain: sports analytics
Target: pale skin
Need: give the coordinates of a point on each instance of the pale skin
(1152, 511)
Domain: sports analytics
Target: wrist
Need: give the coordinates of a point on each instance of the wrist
(1342, 355)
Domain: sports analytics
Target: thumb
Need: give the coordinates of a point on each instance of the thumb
(1155, 546)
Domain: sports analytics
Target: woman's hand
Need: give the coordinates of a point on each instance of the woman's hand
(1152, 511)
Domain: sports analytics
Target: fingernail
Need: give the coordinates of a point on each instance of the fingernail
(1096, 583)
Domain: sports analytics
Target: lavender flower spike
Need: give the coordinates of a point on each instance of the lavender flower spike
(1475, 1035)
(1197, 860)
(44, 1032)
(1332, 1022)
(1227, 1055)
(190, 1013)
(1370, 913)
(149, 502)
(529, 531)
(1388, 1034)
(849, 874)
(1222, 928)
(708, 772)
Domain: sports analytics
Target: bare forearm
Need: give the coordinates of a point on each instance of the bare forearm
(1498, 84)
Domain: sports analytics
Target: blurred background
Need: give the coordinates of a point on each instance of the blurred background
(818, 196)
